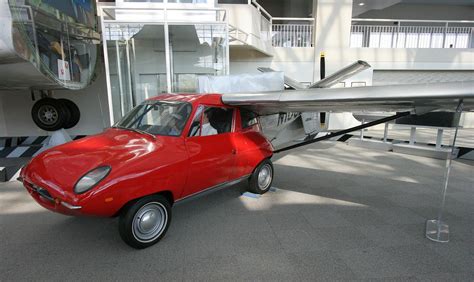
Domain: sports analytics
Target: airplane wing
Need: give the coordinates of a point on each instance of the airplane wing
(415, 98)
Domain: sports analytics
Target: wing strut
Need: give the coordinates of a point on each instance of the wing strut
(342, 132)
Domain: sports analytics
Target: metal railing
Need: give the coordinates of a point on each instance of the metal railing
(376, 33)
(113, 14)
(292, 35)
(289, 32)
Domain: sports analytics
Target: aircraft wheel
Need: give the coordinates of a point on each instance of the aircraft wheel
(50, 114)
(145, 221)
(262, 178)
(75, 114)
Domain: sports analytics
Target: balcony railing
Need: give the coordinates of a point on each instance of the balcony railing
(111, 14)
(285, 32)
(378, 33)
(293, 34)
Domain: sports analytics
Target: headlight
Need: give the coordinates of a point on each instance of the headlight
(90, 179)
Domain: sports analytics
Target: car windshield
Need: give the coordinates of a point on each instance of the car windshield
(157, 117)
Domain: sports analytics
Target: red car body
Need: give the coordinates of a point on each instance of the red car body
(141, 165)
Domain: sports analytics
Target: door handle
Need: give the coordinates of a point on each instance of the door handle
(234, 151)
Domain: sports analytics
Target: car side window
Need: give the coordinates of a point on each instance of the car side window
(216, 120)
(211, 121)
(247, 118)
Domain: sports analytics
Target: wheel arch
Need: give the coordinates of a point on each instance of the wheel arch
(165, 193)
(269, 158)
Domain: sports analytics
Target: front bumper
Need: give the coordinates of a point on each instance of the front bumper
(49, 201)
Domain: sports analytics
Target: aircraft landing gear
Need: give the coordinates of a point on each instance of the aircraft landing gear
(53, 114)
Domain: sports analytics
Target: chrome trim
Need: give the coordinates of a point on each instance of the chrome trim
(212, 189)
(71, 207)
(41, 192)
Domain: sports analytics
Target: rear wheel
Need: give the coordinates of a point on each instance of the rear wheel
(75, 114)
(262, 178)
(145, 222)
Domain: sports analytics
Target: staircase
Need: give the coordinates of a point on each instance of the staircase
(239, 39)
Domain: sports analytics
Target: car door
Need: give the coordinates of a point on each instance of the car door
(210, 148)
(250, 144)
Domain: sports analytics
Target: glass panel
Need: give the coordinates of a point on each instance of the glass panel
(412, 40)
(185, 83)
(401, 40)
(247, 118)
(137, 59)
(199, 49)
(424, 40)
(137, 65)
(216, 121)
(356, 39)
(157, 117)
(374, 39)
(59, 38)
(437, 40)
(195, 128)
(386, 40)
(150, 85)
(462, 40)
(213, 121)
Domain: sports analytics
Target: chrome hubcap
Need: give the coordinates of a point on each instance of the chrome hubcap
(48, 114)
(149, 222)
(265, 177)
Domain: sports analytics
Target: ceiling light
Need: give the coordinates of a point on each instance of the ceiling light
(361, 4)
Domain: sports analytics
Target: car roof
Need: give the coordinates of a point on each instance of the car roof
(190, 98)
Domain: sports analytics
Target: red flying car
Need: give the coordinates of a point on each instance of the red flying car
(166, 149)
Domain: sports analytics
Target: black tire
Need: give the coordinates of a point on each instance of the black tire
(75, 113)
(261, 187)
(50, 114)
(130, 228)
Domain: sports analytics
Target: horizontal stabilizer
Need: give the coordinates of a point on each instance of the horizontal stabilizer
(341, 75)
(288, 81)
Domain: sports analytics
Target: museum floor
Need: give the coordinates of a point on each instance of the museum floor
(338, 213)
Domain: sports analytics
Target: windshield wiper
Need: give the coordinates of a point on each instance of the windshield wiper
(135, 130)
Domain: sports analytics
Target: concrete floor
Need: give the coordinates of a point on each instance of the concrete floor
(339, 213)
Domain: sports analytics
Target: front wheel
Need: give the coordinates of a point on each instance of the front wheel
(145, 222)
(50, 114)
(262, 178)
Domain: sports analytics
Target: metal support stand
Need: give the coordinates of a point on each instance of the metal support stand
(412, 135)
(436, 229)
(439, 138)
(361, 136)
(385, 133)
